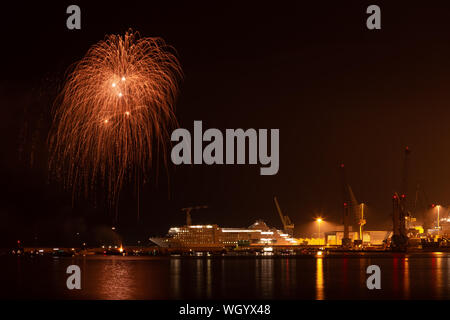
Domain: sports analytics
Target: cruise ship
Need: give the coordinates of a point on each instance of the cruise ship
(195, 236)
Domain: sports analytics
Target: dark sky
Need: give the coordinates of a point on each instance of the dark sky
(337, 91)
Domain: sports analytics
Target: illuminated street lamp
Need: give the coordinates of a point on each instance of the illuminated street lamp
(319, 220)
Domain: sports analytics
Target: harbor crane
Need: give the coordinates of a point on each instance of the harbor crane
(400, 210)
(288, 226)
(399, 238)
(346, 202)
(188, 211)
(353, 212)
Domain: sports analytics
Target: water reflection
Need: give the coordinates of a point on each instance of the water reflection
(395, 271)
(344, 275)
(363, 264)
(222, 277)
(208, 278)
(319, 279)
(175, 271)
(286, 267)
(199, 277)
(406, 277)
(293, 268)
(265, 279)
(437, 272)
(116, 280)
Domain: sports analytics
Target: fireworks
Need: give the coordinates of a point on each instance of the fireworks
(114, 113)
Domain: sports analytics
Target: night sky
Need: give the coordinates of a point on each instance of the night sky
(337, 91)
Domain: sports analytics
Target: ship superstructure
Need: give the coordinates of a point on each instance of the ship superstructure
(259, 233)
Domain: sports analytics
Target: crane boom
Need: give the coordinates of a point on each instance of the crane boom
(288, 226)
(279, 212)
(354, 206)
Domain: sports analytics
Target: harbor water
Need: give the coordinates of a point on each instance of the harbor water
(403, 276)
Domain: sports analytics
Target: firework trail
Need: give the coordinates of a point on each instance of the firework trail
(114, 114)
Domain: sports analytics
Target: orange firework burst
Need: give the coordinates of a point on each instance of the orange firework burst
(114, 112)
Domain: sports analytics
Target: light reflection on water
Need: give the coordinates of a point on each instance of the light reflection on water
(117, 281)
(319, 279)
(438, 273)
(175, 265)
(266, 278)
(198, 276)
(403, 276)
(208, 278)
(287, 274)
(406, 277)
